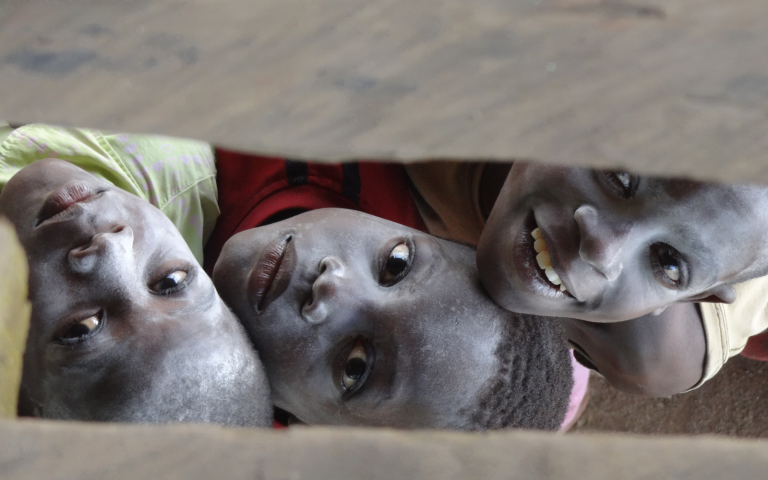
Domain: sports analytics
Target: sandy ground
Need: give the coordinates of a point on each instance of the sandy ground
(734, 403)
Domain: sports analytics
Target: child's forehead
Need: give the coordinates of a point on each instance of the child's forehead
(694, 193)
(356, 220)
(701, 206)
(680, 189)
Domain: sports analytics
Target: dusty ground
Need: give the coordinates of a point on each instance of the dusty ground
(734, 403)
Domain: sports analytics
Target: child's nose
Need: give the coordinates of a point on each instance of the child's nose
(602, 241)
(324, 289)
(115, 245)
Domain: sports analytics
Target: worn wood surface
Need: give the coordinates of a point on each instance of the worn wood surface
(62, 451)
(665, 86)
(14, 317)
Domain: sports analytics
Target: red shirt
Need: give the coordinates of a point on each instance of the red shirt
(254, 188)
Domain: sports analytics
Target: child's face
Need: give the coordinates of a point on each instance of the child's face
(361, 321)
(623, 245)
(125, 326)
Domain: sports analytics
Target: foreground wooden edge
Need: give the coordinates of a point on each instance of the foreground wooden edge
(33, 449)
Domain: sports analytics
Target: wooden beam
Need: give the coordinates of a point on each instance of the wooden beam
(664, 86)
(39, 449)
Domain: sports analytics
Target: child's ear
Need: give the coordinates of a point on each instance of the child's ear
(718, 294)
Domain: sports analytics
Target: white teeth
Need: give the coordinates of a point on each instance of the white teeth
(552, 275)
(542, 258)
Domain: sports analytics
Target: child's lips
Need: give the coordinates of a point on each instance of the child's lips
(272, 273)
(63, 203)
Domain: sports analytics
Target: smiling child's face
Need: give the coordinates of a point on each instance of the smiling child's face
(622, 245)
(360, 321)
(125, 325)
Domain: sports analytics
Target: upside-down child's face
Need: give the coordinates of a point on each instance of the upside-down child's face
(125, 326)
(621, 245)
(360, 321)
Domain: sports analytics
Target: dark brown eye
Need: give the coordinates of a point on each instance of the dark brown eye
(171, 282)
(668, 264)
(356, 366)
(81, 330)
(397, 264)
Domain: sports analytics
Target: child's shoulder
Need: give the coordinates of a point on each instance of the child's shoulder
(164, 167)
(729, 326)
(85, 148)
(156, 168)
(447, 194)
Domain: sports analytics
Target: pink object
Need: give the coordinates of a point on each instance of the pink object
(580, 387)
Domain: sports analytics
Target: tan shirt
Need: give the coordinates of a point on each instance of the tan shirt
(447, 195)
(727, 327)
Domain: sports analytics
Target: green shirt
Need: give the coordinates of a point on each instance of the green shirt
(175, 175)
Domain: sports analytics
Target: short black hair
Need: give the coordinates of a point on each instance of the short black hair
(532, 385)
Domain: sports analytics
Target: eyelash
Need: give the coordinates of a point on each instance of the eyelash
(408, 243)
(341, 362)
(72, 342)
(656, 251)
(190, 274)
(617, 186)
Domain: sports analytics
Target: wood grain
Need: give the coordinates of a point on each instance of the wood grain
(664, 86)
(37, 449)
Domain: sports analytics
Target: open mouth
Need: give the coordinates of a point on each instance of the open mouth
(534, 262)
(544, 261)
(272, 273)
(65, 203)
